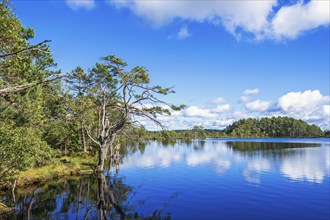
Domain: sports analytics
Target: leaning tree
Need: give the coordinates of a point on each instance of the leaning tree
(123, 97)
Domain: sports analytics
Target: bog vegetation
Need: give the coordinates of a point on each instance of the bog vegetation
(46, 114)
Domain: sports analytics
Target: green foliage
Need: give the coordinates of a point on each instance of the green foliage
(62, 135)
(273, 127)
(24, 115)
(20, 148)
(140, 134)
(244, 128)
(20, 62)
(327, 133)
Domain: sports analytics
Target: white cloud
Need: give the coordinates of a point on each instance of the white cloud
(222, 108)
(258, 105)
(251, 91)
(247, 93)
(77, 4)
(217, 124)
(183, 33)
(239, 115)
(251, 16)
(310, 106)
(237, 17)
(326, 110)
(218, 100)
(291, 21)
(195, 111)
(245, 98)
(298, 101)
(210, 116)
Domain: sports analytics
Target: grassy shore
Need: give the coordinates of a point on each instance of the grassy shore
(5, 211)
(58, 168)
(61, 167)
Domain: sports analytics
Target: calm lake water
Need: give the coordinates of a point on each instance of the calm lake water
(198, 179)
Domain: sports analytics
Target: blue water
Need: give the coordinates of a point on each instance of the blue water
(204, 179)
(211, 180)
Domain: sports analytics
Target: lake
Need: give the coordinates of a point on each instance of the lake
(197, 179)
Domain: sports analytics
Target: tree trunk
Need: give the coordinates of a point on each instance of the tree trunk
(103, 151)
(84, 140)
(112, 140)
(102, 157)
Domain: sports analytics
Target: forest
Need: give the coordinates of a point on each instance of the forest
(49, 118)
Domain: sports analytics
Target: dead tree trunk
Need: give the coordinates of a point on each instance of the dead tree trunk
(84, 141)
(102, 157)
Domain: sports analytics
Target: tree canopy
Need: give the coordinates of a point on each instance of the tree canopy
(273, 127)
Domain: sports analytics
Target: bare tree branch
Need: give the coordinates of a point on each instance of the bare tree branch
(21, 88)
(90, 136)
(25, 49)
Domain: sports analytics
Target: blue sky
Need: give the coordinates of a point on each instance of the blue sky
(226, 59)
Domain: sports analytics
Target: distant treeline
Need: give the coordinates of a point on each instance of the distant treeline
(273, 127)
(244, 128)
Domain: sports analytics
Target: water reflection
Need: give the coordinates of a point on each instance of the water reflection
(312, 165)
(56, 197)
(297, 161)
(88, 197)
(110, 196)
(74, 199)
(269, 149)
(153, 156)
(146, 177)
(217, 157)
(254, 168)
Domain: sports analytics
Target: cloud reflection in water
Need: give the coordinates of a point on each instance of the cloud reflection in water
(312, 165)
(296, 163)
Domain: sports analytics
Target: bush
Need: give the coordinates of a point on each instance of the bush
(20, 148)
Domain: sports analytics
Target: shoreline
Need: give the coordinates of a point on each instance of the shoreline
(60, 168)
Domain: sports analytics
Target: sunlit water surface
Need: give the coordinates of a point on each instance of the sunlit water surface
(199, 179)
